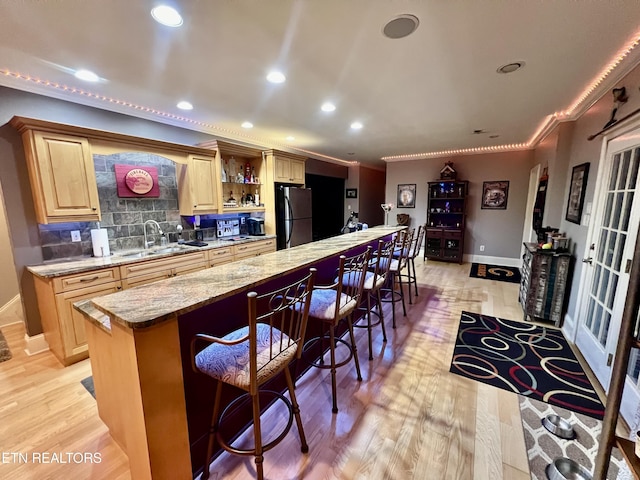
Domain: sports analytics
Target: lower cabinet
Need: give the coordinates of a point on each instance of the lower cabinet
(253, 249)
(444, 244)
(141, 273)
(64, 327)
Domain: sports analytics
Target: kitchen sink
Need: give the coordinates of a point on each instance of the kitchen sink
(166, 250)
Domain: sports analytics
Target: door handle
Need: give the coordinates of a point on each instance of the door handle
(588, 260)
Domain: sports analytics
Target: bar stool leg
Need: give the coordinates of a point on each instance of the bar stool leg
(379, 302)
(257, 435)
(304, 448)
(415, 278)
(354, 348)
(404, 308)
(332, 348)
(369, 325)
(213, 430)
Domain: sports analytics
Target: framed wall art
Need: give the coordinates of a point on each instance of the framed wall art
(495, 195)
(576, 193)
(406, 195)
(352, 192)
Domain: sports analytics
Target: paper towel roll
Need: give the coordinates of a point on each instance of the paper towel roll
(100, 242)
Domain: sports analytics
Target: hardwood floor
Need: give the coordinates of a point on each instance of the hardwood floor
(408, 419)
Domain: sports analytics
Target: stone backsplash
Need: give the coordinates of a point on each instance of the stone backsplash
(123, 217)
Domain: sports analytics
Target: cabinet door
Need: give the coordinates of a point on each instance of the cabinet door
(203, 184)
(62, 178)
(296, 169)
(219, 256)
(74, 340)
(282, 170)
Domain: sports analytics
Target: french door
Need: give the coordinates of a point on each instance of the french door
(611, 243)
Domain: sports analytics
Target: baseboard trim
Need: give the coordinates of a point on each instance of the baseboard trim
(508, 262)
(9, 311)
(35, 344)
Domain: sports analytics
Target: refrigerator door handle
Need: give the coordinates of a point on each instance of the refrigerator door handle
(290, 232)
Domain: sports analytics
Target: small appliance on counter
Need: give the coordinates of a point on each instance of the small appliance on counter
(255, 226)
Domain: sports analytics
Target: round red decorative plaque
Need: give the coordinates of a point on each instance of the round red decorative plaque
(139, 181)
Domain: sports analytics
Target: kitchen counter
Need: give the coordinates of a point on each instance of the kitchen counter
(68, 266)
(155, 406)
(147, 305)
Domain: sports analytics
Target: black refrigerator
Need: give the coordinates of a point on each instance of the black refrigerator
(293, 216)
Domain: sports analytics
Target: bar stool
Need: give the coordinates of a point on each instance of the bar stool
(252, 355)
(375, 278)
(332, 303)
(415, 247)
(397, 263)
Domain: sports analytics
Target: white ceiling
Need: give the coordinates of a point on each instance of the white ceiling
(423, 93)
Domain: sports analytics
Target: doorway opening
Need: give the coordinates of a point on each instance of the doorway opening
(327, 205)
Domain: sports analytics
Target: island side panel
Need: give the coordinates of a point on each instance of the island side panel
(140, 396)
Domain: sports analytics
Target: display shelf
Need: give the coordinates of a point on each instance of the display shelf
(446, 213)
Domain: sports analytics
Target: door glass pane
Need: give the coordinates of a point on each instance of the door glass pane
(633, 368)
(596, 281)
(605, 328)
(606, 219)
(614, 172)
(621, 243)
(602, 245)
(627, 212)
(625, 170)
(603, 285)
(617, 210)
(634, 169)
(597, 321)
(589, 320)
(611, 247)
(612, 291)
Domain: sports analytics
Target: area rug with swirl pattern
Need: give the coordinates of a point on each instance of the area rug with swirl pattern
(5, 353)
(525, 358)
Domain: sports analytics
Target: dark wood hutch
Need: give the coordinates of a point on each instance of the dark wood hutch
(446, 214)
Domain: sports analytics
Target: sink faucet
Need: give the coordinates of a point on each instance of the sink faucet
(147, 244)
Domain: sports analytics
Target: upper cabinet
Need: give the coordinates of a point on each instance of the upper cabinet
(63, 180)
(198, 186)
(287, 167)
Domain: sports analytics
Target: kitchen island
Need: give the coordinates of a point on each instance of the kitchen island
(155, 407)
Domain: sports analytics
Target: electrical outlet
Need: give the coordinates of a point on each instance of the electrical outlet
(482, 248)
(75, 235)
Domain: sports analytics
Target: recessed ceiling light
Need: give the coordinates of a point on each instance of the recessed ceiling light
(276, 77)
(290, 138)
(351, 153)
(356, 125)
(510, 67)
(247, 125)
(401, 26)
(328, 107)
(86, 75)
(166, 16)
(479, 131)
(494, 136)
(184, 105)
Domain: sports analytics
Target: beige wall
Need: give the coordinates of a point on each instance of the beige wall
(500, 231)
(8, 280)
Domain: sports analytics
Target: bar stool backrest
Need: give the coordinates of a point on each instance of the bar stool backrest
(417, 242)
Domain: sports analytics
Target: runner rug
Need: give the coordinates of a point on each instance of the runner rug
(499, 273)
(5, 353)
(528, 359)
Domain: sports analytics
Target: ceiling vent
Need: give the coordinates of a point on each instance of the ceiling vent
(510, 67)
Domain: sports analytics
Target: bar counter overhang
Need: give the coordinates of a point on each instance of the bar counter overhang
(156, 408)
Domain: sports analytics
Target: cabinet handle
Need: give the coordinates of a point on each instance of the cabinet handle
(93, 279)
(242, 248)
(94, 209)
(118, 288)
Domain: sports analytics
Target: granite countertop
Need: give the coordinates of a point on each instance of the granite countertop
(69, 266)
(146, 305)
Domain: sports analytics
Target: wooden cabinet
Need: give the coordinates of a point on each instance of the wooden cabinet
(544, 280)
(198, 186)
(63, 326)
(62, 177)
(254, 249)
(141, 273)
(446, 214)
(219, 256)
(288, 170)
